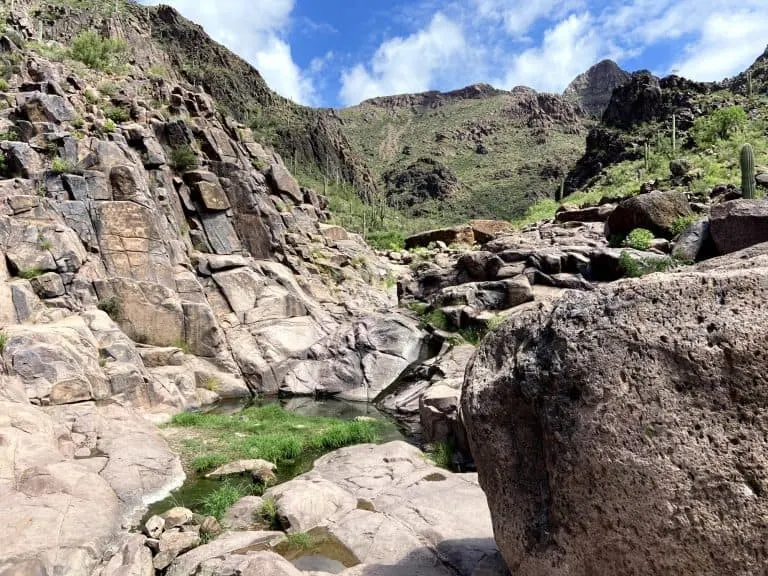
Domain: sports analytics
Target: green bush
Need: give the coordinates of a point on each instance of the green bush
(682, 223)
(109, 126)
(112, 306)
(183, 158)
(720, 125)
(386, 239)
(639, 239)
(97, 52)
(3, 341)
(90, 96)
(61, 166)
(4, 86)
(117, 113)
(438, 319)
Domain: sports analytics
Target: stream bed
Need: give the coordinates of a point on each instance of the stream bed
(323, 553)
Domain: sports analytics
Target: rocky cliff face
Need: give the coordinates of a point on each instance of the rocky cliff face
(593, 89)
(155, 258)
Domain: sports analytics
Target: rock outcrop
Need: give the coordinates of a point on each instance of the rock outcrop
(155, 258)
(394, 511)
(622, 431)
(593, 89)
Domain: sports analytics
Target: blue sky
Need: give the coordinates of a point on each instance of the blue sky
(339, 52)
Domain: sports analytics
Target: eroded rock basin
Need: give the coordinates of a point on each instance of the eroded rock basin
(367, 509)
(196, 487)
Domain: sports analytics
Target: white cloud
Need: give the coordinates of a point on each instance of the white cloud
(518, 17)
(565, 52)
(729, 43)
(408, 64)
(257, 35)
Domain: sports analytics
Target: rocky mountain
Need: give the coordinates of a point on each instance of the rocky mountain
(593, 89)
(156, 258)
(160, 260)
(497, 151)
(180, 49)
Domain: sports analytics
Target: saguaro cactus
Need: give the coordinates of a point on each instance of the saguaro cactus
(748, 171)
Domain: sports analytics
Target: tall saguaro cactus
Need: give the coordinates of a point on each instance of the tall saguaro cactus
(748, 171)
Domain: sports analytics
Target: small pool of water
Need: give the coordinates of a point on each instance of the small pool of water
(197, 487)
(324, 553)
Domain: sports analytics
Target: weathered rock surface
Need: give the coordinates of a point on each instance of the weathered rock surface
(251, 564)
(622, 431)
(389, 509)
(259, 469)
(187, 564)
(457, 235)
(655, 211)
(738, 224)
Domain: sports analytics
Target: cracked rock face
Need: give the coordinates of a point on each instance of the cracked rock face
(623, 431)
(137, 282)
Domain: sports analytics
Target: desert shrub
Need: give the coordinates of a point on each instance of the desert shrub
(183, 158)
(116, 113)
(722, 124)
(98, 52)
(112, 306)
(639, 239)
(61, 166)
(681, 223)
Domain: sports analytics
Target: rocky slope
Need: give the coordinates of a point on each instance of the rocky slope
(156, 258)
(164, 40)
(496, 151)
(593, 89)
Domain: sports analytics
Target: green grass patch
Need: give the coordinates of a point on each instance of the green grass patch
(636, 267)
(268, 432)
(218, 501)
(30, 273)
(3, 341)
(269, 514)
(183, 158)
(682, 223)
(300, 541)
(442, 454)
(639, 239)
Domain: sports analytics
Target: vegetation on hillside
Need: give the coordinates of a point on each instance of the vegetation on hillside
(504, 159)
(711, 148)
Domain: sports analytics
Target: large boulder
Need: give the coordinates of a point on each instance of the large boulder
(623, 431)
(456, 235)
(694, 243)
(655, 211)
(738, 224)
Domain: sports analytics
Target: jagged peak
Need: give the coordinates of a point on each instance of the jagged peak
(593, 88)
